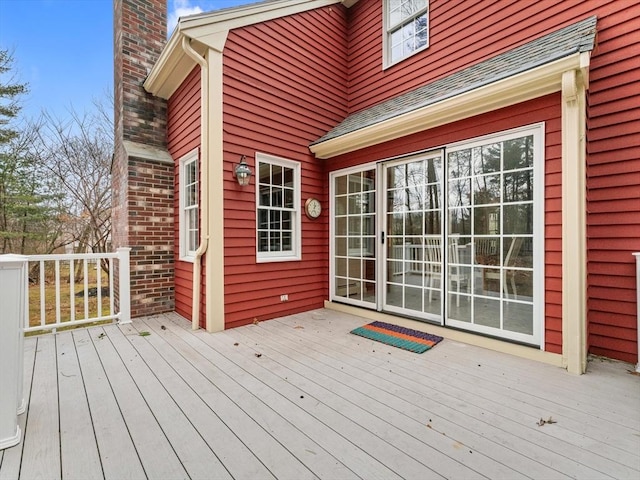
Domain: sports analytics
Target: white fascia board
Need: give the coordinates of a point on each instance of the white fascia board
(519, 88)
(209, 30)
(242, 16)
(172, 67)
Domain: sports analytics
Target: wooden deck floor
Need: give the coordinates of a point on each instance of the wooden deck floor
(301, 398)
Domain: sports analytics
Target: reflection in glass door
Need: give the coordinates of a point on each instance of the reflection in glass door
(455, 240)
(491, 231)
(354, 238)
(413, 210)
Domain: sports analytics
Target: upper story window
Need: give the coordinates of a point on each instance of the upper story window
(407, 28)
(278, 205)
(189, 217)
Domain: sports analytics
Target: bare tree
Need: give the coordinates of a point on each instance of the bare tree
(29, 220)
(54, 175)
(77, 154)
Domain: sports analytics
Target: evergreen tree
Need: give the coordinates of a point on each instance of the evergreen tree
(9, 93)
(28, 214)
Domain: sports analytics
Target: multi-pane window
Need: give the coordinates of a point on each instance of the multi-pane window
(493, 224)
(354, 237)
(278, 223)
(189, 227)
(407, 24)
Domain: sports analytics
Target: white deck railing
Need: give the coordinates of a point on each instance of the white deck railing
(56, 279)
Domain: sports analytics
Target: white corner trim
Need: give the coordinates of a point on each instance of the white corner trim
(574, 276)
(528, 85)
(214, 260)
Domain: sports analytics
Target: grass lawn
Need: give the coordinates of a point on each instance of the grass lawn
(68, 301)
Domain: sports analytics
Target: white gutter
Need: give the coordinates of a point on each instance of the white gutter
(204, 182)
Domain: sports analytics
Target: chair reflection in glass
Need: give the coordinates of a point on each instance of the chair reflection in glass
(433, 256)
(503, 272)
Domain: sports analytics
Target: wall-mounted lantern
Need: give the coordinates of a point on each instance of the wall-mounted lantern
(243, 172)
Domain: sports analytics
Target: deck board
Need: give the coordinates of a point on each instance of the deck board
(487, 397)
(156, 453)
(275, 442)
(192, 452)
(300, 398)
(453, 412)
(12, 457)
(287, 408)
(415, 420)
(231, 451)
(76, 428)
(118, 454)
(41, 451)
(359, 433)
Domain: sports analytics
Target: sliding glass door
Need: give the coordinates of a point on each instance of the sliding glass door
(447, 236)
(354, 249)
(413, 226)
(494, 231)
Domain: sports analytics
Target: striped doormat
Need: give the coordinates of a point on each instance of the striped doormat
(405, 338)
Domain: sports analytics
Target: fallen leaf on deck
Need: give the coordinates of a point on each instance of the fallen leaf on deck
(298, 326)
(144, 334)
(543, 421)
(256, 321)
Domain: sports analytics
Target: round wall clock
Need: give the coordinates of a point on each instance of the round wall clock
(313, 208)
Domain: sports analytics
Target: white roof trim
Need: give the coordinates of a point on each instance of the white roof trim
(241, 16)
(209, 31)
(528, 85)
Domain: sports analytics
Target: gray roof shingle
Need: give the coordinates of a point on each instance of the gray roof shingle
(578, 37)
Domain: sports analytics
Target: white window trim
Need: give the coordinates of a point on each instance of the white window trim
(332, 208)
(296, 251)
(386, 54)
(186, 255)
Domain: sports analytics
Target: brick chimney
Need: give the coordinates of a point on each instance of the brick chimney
(142, 171)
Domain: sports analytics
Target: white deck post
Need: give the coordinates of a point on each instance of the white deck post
(13, 293)
(124, 284)
(637, 255)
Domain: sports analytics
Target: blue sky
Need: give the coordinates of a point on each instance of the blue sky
(64, 49)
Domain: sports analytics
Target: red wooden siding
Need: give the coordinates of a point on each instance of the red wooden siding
(290, 80)
(613, 184)
(463, 33)
(183, 135)
(284, 86)
(545, 109)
